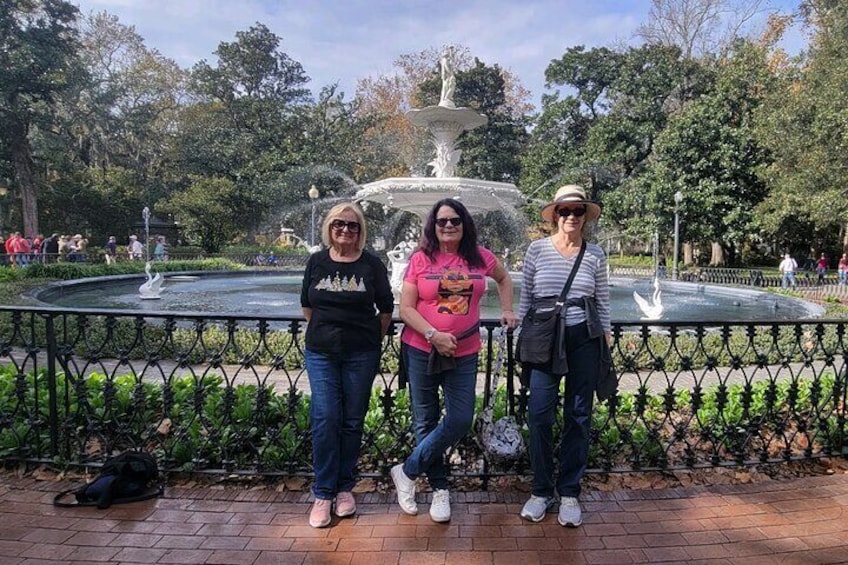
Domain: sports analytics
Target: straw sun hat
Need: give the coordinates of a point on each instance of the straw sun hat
(571, 194)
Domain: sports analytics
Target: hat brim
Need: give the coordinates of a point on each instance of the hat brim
(593, 209)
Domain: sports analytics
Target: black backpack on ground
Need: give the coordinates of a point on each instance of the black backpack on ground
(128, 477)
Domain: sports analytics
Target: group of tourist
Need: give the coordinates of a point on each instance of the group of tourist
(21, 251)
(788, 267)
(347, 302)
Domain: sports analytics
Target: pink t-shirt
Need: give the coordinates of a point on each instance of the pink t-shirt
(449, 295)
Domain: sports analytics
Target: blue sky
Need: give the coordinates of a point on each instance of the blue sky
(345, 40)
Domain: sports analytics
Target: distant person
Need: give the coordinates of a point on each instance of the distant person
(111, 248)
(135, 250)
(50, 249)
(787, 269)
(821, 268)
(160, 252)
(843, 268)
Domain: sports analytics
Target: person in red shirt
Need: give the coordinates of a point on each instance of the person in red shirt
(10, 246)
(821, 267)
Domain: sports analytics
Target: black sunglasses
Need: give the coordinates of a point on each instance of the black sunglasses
(566, 212)
(340, 225)
(443, 222)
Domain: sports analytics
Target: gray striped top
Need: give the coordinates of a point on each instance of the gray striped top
(545, 272)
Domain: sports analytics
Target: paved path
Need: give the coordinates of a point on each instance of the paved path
(802, 521)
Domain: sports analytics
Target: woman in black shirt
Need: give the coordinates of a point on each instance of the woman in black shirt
(347, 303)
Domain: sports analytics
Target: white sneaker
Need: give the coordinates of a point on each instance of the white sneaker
(405, 488)
(569, 512)
(536, 508)
(440, 507)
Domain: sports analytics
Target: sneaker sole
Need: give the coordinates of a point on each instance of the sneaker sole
(346, 514)
(535, 519)
(439, 520)
(569, 524)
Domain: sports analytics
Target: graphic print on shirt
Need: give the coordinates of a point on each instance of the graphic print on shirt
(341, 284)
(455, 290)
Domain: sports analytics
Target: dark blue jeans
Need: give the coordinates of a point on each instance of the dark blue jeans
(341, 390)
(584, 356)
(433, 436)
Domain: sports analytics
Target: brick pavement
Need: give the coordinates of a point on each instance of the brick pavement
(799, 521)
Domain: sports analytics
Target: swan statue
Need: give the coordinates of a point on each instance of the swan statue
(652, 310)
(150, 289)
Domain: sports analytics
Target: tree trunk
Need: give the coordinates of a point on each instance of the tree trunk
(716, 254)
(687, 254)
(25, 176)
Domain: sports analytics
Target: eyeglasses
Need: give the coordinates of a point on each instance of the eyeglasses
(340, 225)
(566, 212)
(443, 222)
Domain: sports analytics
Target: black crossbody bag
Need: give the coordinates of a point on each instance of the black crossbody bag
(539, 326)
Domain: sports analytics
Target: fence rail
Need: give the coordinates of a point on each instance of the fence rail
(229, 394)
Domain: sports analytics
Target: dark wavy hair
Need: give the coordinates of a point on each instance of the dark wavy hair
(467, 245)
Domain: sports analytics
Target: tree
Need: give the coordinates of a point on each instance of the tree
(804, 125)
(698, 27)
(38, 46)
(248, 122)
(710, 153)
(212, 211)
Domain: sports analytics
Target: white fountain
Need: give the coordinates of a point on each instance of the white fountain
(445, 123)
(151, 289)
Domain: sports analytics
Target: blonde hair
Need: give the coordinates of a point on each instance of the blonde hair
(335, 213)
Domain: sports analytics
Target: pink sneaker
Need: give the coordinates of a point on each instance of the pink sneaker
(319, 516)
(345, 504)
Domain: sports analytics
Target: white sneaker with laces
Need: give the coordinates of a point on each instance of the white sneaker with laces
(440, 510)
(405, 488)
(536, 508)
(569, 512)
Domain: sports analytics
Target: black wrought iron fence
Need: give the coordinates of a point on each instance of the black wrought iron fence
(229, 394)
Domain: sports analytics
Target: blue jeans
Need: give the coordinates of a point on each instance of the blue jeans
(788, 280)
(341, 390)
(434, 437)
(584, 357)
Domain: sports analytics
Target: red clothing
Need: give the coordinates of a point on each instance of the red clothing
(449, 295)
(11, 244)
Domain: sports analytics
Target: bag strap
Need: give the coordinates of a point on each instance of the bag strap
(497, 368)
(571, 275)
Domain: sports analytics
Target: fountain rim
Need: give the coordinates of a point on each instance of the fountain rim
(814, 311)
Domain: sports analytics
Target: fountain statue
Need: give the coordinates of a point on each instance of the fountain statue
(152, 287)
(445, 123)
(652, 310)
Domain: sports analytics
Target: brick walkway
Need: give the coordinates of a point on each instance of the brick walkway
(803, 521)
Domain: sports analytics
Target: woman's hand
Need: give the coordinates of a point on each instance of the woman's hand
(509, 319)
(444, 343)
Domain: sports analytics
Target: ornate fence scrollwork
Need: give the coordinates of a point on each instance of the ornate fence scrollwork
(229, 394)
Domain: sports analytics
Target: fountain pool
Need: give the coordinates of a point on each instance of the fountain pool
(262, 293)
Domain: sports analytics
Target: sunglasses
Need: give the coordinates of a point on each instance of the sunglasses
(566, 212)
(340, 225)
(443, 222)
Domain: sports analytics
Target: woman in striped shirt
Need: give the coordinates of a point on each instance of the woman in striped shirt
(547, 265)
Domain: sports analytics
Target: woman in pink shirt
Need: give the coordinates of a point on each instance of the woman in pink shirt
(440, 307)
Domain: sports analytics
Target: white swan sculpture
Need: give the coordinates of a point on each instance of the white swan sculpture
(652, 310)
(152, 288)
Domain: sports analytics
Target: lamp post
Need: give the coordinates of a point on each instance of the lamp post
(3, 192)
(145, 215)
(678, 198)
(313, 196)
